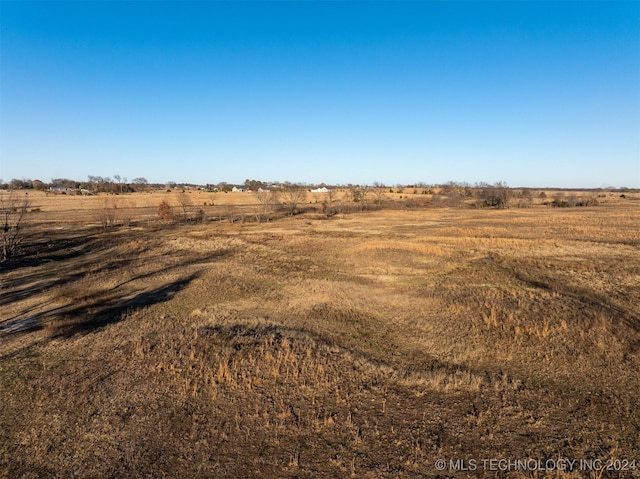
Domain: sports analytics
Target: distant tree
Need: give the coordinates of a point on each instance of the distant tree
(118, 179)
(494, 196)
(93, 183)
(331, 196)
(378, 192)
(452, 189)
(254, 185)
(267, 200)
(524, 198)
(185, 202)
(327, 202)
(291, 196)
(13, 211)
(139, 184)
(62, 182)
(100, 184)
(358, 193)
(17, 184)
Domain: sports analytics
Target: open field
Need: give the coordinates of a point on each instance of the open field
(366, 345)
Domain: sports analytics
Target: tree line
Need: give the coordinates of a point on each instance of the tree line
(93, 184)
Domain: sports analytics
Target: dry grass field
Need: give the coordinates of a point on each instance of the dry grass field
(368, 344)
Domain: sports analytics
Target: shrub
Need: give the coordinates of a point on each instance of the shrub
(12, 221)
(164, 211)
(108, 214)
(494, 196)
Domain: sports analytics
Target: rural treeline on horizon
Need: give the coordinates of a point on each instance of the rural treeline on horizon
(119, 185)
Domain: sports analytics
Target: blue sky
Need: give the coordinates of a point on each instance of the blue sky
(532, 93)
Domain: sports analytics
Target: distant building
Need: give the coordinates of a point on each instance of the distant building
(320, 190)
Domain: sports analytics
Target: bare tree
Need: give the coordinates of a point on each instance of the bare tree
(140, 183)
(494, 196)
(327, 203)
(185, 202)
(378, 192)
(108, 214)
(118, 178)
(331, 197)
(268, 201)
(291, 196)
(13, 211)
(358, 193)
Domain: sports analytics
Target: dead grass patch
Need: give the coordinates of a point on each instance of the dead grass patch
(366, 345)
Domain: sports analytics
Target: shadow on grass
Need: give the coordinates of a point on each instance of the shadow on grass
(66, 322)
(56, 261)
(66, 295)
(54, 247)
(83, 321)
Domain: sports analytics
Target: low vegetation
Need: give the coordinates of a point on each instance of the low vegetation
(13, 218)
(370, 342)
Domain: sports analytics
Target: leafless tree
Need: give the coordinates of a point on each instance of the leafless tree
(140, 183)
(185, 203)
(118, 178)
(494, 196)
(327, 203)
(13, 211)
(358, 193)
(291, 196)
(331, 197)
(378, 192)
(108, 214)
(268, 200)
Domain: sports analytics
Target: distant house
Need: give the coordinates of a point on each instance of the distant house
(235, 189)
(320, 190)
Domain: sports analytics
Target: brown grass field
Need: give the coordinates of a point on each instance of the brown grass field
(369, 344)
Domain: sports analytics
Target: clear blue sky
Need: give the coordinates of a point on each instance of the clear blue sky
(531, 93)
